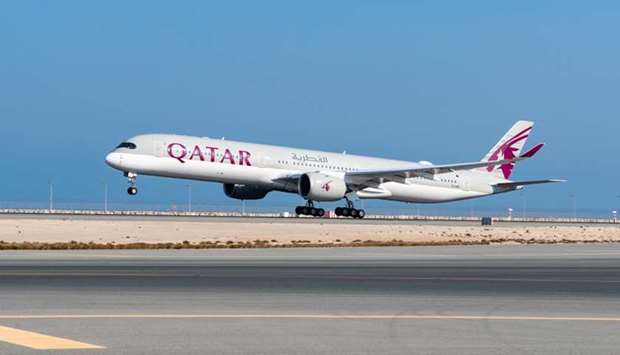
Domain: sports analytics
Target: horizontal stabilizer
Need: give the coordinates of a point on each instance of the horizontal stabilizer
(530, 153)
(523, 183)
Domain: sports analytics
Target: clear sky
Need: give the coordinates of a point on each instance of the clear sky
(419, 80)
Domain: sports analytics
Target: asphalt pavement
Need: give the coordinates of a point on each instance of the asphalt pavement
(432, 300)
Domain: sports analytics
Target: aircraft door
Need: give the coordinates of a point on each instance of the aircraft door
(159, 149)
(266, 161)
(464, 182)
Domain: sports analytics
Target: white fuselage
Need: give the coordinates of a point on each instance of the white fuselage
(267, 166)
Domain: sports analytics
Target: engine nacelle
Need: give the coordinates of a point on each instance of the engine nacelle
(321, 187)
(245, 192)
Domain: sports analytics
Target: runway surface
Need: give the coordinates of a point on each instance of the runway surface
(432, 300)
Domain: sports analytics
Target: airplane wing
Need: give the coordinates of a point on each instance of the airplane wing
(512, 184)
(399, 175)
(358, 180)
(373, 177)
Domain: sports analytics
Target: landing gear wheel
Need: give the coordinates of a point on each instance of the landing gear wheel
(131, 178)
(350, 210)
(309, 210)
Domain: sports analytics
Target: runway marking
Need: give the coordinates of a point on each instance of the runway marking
(313, 316)
(493, 279)
(403, 278)
(40, 341)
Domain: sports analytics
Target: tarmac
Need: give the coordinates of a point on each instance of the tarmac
(539, 299)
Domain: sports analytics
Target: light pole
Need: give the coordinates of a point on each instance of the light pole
(510, 214)
(105, 197)
(189, 198)
(574, 200)
(524, 205)
(615, 213)
(51, 195)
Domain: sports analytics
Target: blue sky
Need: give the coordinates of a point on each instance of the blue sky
(418, 80)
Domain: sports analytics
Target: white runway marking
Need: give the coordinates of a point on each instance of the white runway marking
(316, 316)
(404, 278)
(40, 341)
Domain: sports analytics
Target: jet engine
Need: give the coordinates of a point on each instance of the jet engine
(321, 187)
(245, 192)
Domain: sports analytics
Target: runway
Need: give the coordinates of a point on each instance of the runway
(432, 300)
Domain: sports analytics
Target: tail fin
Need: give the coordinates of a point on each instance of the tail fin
(508, 147)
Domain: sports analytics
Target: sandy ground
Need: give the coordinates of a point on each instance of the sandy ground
(290, 232)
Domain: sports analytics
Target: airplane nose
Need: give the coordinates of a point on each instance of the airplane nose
(113, 160)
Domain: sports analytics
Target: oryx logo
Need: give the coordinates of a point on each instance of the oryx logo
(326, 186)
(507, 151)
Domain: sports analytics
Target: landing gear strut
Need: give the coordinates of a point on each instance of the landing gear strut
(350, 211)
(131, 178)
(309, 210)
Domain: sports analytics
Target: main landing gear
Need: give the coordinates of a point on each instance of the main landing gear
(309, 210)
(350, 211)
(131, 178)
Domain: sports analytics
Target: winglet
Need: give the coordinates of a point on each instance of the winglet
(530, 153)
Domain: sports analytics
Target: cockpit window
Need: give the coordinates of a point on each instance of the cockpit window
(127, 145)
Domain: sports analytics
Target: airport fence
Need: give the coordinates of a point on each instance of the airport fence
(471, 212)
(286, 214)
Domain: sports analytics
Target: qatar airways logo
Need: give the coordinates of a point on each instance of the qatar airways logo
(326, 187)
(507, 151)
(181, 153)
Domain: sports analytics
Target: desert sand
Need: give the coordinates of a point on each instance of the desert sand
(280, 232)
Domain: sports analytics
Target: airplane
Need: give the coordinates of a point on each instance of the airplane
(250, 171)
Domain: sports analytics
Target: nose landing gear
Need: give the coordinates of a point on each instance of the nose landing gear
(131, 178)
(309, 210)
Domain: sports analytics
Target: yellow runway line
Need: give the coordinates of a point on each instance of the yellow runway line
(40, 341)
